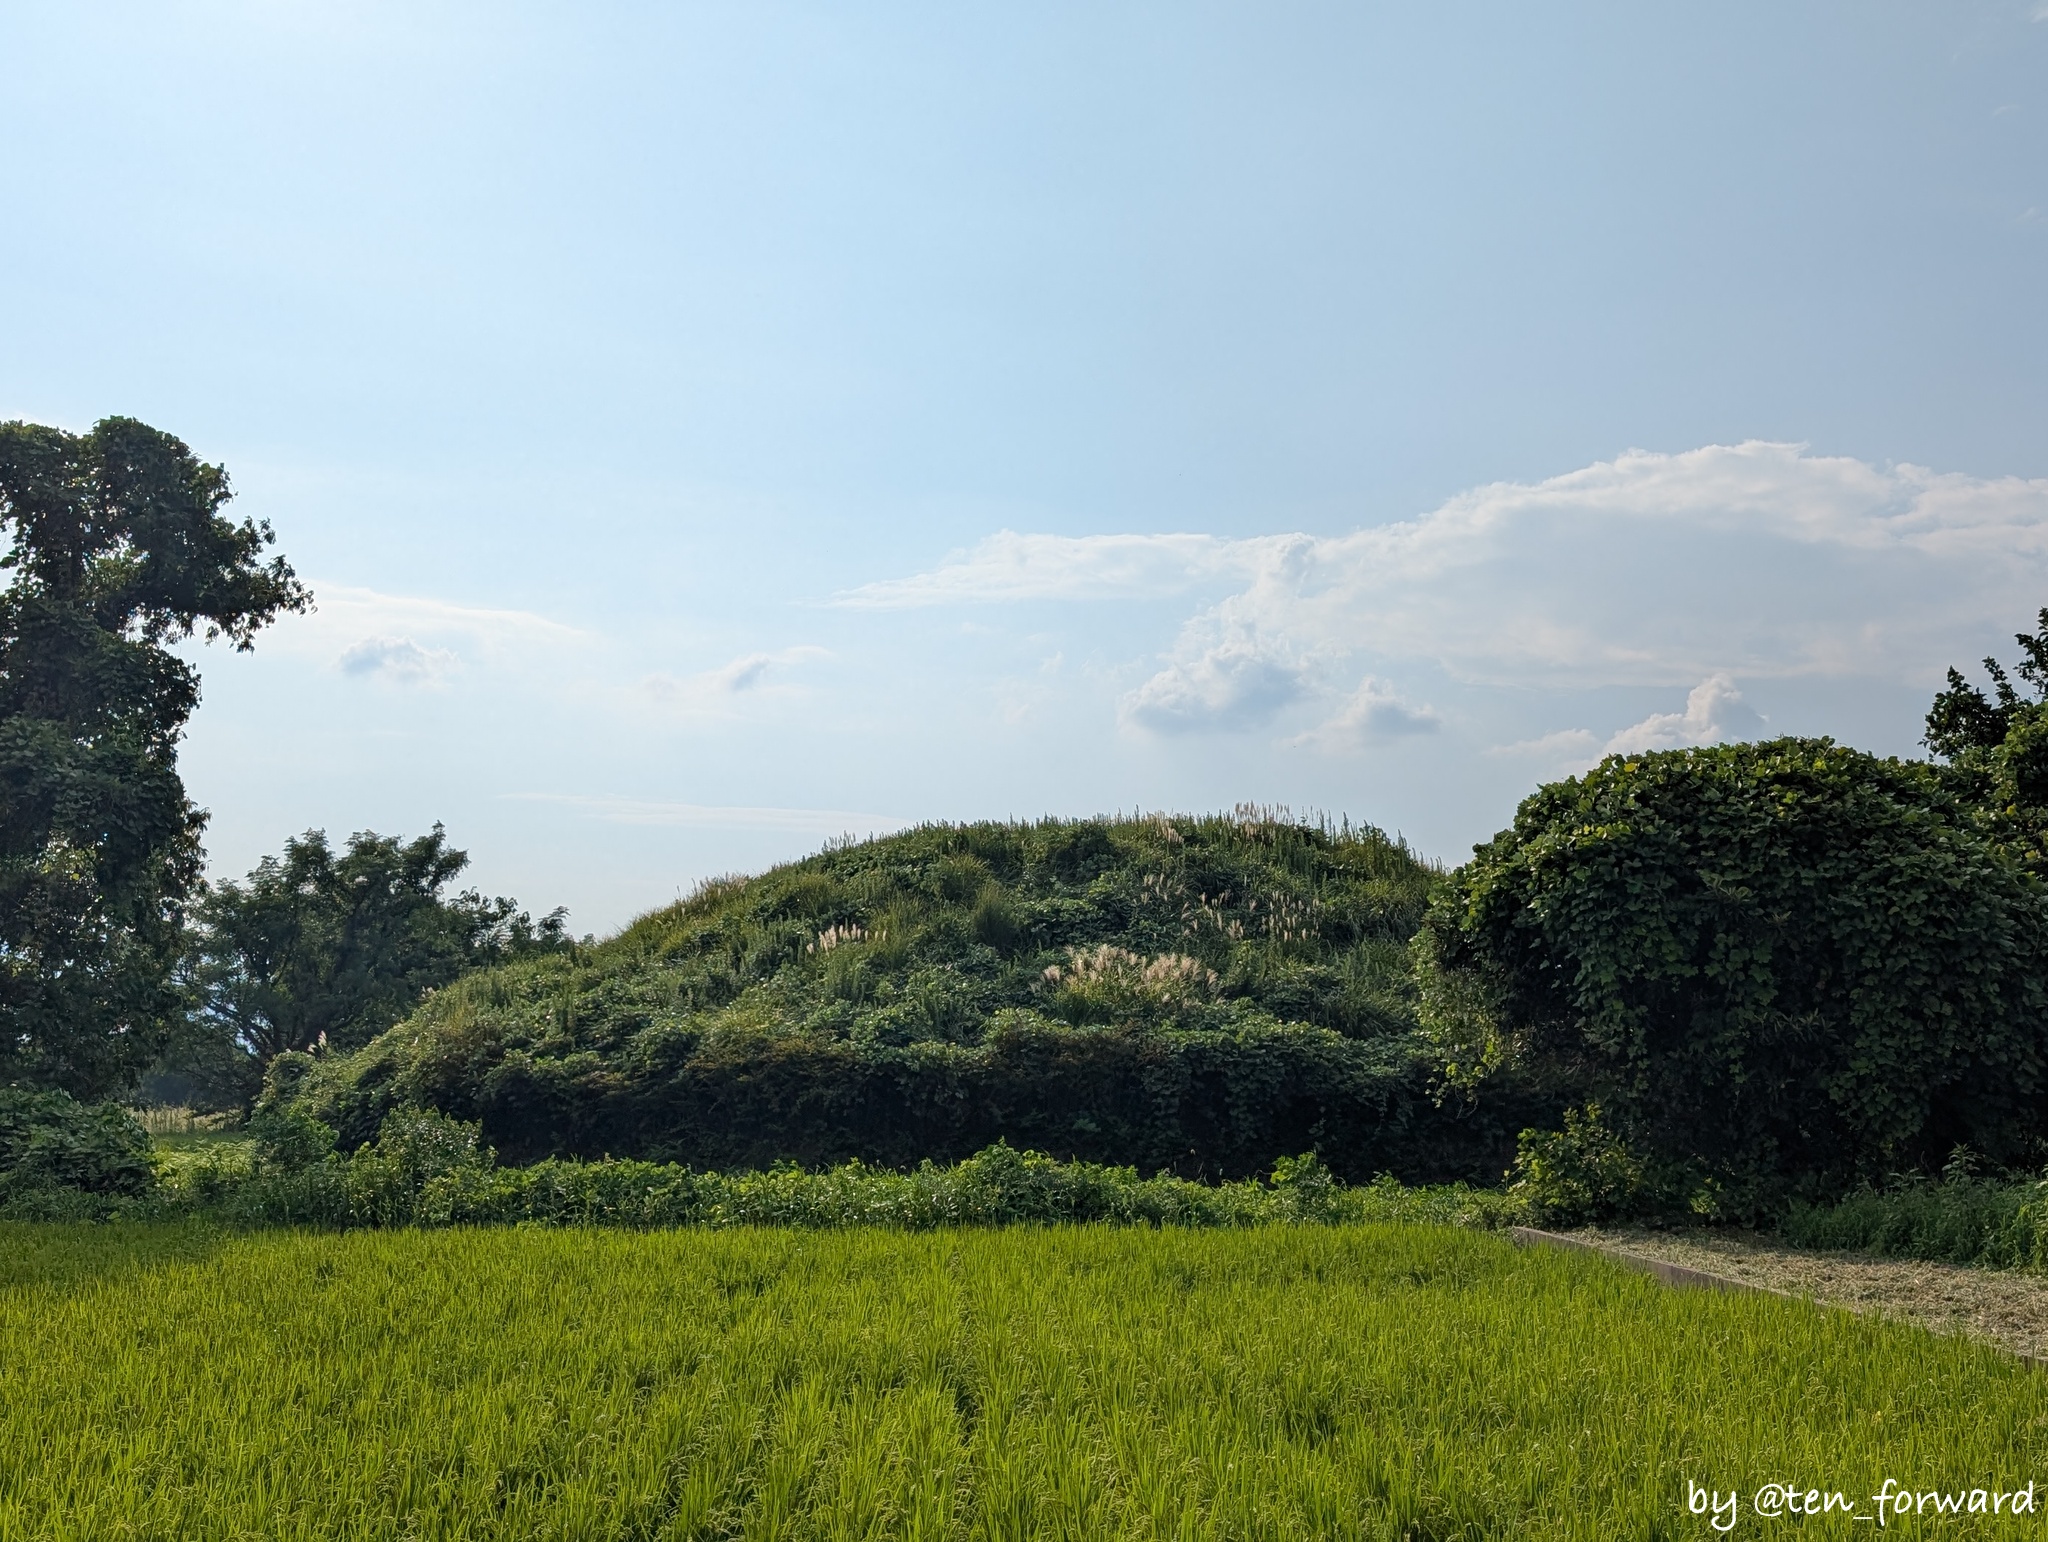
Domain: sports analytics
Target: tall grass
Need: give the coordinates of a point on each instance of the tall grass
(1087, 1383)
(1987, 1222)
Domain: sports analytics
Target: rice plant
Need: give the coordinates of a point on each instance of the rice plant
(1074, 1382)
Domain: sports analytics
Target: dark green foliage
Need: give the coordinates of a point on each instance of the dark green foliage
(289, 1140)
(1988, 1223)
(317, 948)
(51, 1145)
(1775, 966)
(119, 547)
(424, 1169)
(1197, 995)
(1996, 748)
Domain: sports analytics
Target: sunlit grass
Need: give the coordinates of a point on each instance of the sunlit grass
(1372, 1381)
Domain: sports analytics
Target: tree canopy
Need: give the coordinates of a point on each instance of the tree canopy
(1996, 747)
(119, 547)
(319, 947)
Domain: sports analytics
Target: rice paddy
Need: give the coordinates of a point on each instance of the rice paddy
(1063, 1382)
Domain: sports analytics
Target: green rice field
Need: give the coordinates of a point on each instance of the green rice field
(1081, 1382)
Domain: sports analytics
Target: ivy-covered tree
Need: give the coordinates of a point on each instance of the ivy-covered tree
(1772, 968)
(119, 548)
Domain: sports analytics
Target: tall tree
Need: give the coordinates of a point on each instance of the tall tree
(317, 947)
(119, 549)
(1996, 747)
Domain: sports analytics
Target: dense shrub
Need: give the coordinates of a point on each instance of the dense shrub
(424, 1169)
(1202, 1102)
(1203, 996)
(1778, 968)
(58, 1156)
(1583, 1172)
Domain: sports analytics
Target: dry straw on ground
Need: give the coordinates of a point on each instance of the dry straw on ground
(1996, 1306)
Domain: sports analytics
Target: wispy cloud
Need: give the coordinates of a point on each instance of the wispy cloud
(1012, 567)
(749, 673)
(643, 811)
(413, 638)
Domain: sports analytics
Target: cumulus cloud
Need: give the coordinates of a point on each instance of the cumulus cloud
(1757, 560)
(1228, 685)
(1715, 713)
(1374, 713)
(396, 658)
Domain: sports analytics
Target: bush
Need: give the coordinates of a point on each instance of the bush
(1582, 1173)
(1778, 968)
(52, 1146)
(424, 1170)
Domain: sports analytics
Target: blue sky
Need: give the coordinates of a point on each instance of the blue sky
(713, 428)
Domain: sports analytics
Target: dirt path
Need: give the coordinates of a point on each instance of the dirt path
(1998, 1306)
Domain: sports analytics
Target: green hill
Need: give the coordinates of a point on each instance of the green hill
(1195, 994)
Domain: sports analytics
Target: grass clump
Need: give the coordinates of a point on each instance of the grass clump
(1988, 1222)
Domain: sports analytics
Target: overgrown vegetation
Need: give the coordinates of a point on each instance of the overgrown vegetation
(60, 1157)
(1708, 983)
(427, 1170)
(1994, 748)
(1961, 1219)
(1778, 969)
(1202, 996)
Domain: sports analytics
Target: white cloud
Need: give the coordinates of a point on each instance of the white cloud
(396, 658)
(1715, 713)
(1008, 566)
(1757, 559)
(1374, 713)
(371, 631)
(1230, 684)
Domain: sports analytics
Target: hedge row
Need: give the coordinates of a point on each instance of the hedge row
(427, 1170)
(1200, 1104)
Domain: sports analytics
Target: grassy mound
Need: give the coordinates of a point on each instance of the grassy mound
(1197, 995)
